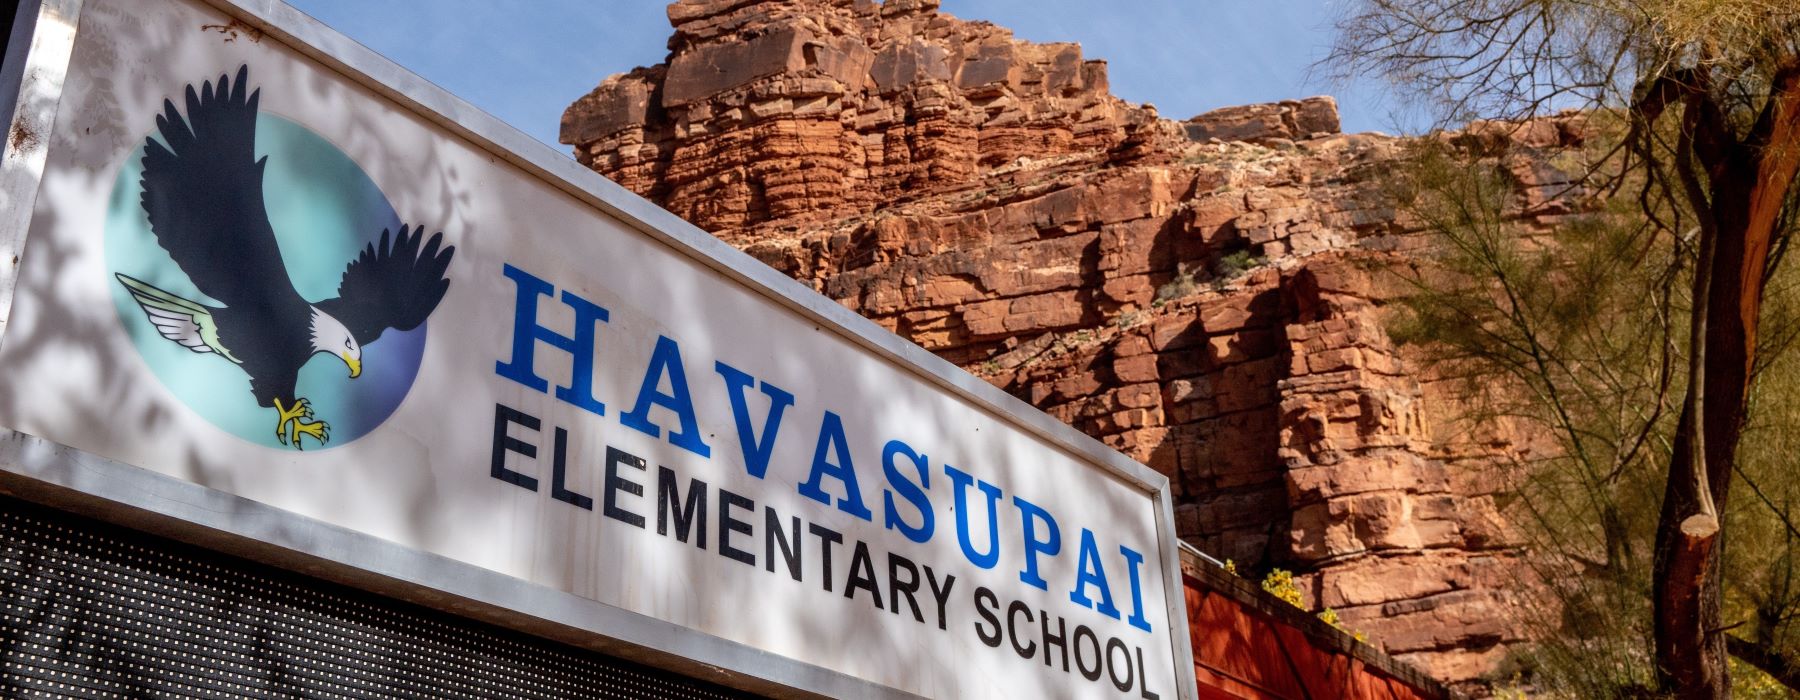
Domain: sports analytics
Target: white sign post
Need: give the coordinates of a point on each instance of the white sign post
(529, 372)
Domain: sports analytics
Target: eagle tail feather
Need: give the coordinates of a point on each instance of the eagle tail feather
(185, 322)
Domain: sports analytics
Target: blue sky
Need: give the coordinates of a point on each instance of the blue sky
(524, 61)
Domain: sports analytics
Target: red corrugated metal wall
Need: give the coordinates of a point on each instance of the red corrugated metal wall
(1241, 652)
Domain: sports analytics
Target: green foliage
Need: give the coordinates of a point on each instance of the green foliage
(1749, 683)
(1181, 285)
(1574, 331)
(1577, 335)
(1762, 579)
(1225, 268)
(1559, 335)
(1233, 265)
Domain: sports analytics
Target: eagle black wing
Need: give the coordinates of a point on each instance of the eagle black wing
(203, 192)
(395, 283)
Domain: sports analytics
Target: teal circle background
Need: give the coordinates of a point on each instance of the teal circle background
(324, 209)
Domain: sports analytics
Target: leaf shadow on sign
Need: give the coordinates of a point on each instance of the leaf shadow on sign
(423, 515)
(65, 334)
(60, 330)
(71, 333)
(860, 638)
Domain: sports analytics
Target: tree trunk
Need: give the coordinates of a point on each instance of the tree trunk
(1778, 666)
(1748, 179)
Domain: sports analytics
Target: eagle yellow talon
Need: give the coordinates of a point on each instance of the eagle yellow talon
(292, 424)
(320, 430)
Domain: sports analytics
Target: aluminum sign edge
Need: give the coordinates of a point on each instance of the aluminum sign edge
(36, 61)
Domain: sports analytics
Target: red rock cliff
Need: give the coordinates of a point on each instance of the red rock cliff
(1192, 293)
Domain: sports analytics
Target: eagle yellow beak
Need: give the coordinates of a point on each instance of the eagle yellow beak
(354, 364)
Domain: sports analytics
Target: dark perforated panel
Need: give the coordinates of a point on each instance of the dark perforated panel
(95, 611)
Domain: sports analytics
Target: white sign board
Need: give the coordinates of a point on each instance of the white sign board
(291, 282)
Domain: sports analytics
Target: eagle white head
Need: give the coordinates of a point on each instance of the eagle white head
(330, 336)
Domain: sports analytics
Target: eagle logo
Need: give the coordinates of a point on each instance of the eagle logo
(202, 195)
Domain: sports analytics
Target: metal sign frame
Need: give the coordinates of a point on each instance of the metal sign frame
(43, 471)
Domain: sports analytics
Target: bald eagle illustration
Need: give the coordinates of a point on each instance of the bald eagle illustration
(202, 189)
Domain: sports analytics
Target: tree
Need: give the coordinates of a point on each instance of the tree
(1710, 91)
(1544, 332)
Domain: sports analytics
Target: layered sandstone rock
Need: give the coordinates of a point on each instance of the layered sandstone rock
(810, 110)
(1197, 294)
(1312, 117)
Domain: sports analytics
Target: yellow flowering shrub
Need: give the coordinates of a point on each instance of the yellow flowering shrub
(1280, 583)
